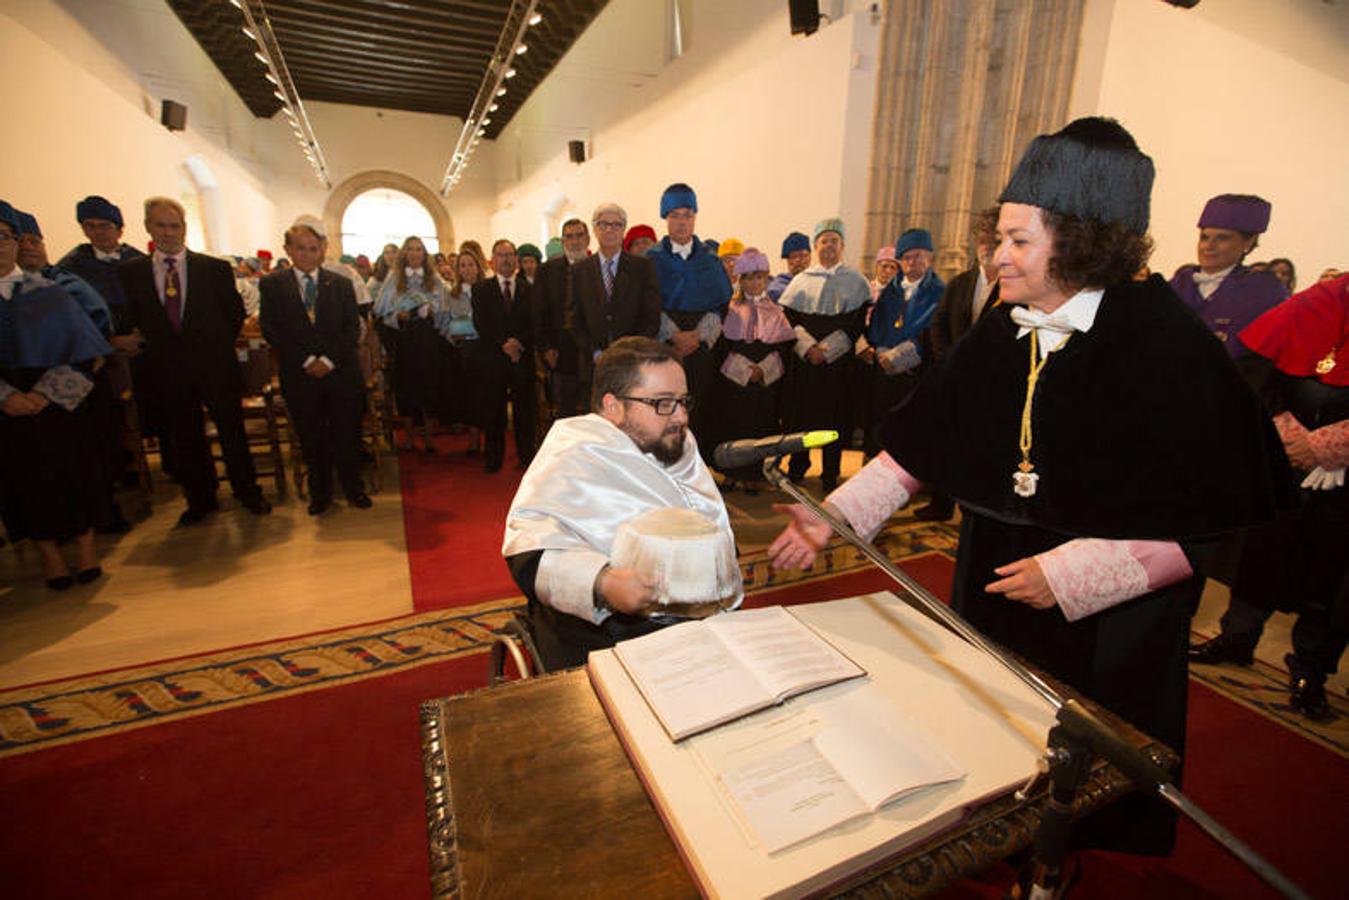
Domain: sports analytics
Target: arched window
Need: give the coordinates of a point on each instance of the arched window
(385, 216)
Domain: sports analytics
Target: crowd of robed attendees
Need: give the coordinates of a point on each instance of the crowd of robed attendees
(507, 334)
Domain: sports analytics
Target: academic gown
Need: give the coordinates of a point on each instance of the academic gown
(1301, 564)
(752, 410)
(1142, 429)
(416, 343)
(820, 304)
(895, 320)
(102, 276)
(690, 289)
(52, 482)
(1240, 298)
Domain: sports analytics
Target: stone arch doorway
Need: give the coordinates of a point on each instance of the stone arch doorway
(349, 190)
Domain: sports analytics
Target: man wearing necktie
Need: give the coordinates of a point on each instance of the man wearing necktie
(185, 309)
(308, 315)
(615, 294)
(502, 317)
(551, 292)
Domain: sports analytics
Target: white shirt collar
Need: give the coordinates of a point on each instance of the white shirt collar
(682, 250)
(299, 276)
(179, 257)
(1079, 313)
(111, 256)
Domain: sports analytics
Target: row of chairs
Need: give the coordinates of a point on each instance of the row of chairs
(271, 438)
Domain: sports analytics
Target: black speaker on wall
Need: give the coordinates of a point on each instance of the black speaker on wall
(173, 115)
(577, 151)
(805, 16)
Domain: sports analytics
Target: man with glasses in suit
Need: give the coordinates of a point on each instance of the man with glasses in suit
(633, 453)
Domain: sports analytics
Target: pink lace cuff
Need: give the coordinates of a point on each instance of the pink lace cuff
(1330, 445)
(871, 496)
(1288, 427)
(1088, 575)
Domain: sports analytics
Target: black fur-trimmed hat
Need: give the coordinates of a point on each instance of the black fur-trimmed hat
(1092, 169)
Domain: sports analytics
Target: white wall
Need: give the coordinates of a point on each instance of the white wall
(771, 131)
(1238, 96)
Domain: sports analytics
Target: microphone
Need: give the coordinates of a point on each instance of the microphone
(734, 454)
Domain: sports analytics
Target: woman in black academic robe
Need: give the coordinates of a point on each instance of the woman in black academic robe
(752, 355)
(52, 478)
(1098, 440)
(407, 304)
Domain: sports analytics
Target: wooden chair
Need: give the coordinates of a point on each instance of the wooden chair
(263, 412)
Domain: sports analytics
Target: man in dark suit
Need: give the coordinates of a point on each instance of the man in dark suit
(969, 295)
(503, 320)
(614, 294)
(551, 290)
(187, 312)
(309, 316)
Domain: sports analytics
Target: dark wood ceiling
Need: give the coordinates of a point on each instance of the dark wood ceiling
(419, 55)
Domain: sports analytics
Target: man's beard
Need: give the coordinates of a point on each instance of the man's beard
(575, 256)
(668, 448)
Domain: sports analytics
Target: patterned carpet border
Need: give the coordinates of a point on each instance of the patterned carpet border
(78, 708)
(1264, 688)
(62, 712)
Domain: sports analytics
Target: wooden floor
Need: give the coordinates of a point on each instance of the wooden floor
(239, 579)
(234, 579)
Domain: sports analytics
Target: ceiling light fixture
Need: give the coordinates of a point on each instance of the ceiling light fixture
(521, 15)
(258, 26)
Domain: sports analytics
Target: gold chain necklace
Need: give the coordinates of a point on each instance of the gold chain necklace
(1025, 477)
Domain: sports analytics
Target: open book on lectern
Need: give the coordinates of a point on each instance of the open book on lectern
(698, 675)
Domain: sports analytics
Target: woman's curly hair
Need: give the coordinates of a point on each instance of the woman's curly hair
(1092, 254)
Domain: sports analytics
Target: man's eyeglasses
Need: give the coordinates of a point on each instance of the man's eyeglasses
(609, 225)
(664, 406)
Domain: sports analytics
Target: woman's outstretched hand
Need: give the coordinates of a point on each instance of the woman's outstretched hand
(802, 539)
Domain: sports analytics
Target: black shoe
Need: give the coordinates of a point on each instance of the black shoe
(935, 512)
(93, 573)
(1309, 698)
(360, 501)
(194, 514)
(491, 467)
(258, 505)
(1225, 648)
(60, 583)
(829, 484)
(317, 506)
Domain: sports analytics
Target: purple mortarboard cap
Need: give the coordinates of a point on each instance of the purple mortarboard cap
(1239, 212)
(750, 261)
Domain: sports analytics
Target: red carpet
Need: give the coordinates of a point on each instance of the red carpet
(320, 794)
(447, 498)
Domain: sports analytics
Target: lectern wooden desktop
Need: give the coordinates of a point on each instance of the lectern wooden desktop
(532, 791)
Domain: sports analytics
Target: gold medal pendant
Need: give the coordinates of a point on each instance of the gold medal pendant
(1025, 479)
(1325, 365)
(170, 292)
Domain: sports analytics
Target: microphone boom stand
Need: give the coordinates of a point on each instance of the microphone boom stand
(1077, 736)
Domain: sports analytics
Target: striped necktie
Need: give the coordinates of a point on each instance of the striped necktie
(311, 293)
(608, 270)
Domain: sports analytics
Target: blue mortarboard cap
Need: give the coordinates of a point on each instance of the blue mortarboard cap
(96, 207)
(913, 239)
(793, 242)
(676, 196)
(28, 223)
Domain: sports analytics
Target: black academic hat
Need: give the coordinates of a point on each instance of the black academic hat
(1092, 169)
